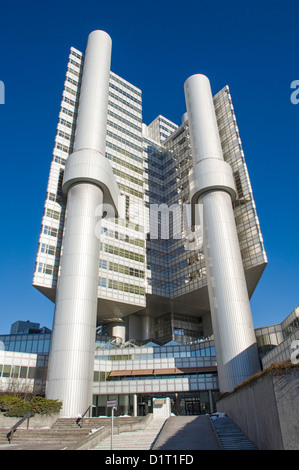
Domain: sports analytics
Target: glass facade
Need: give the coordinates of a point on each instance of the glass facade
(291, 323)
(151, 164)
(22, 372)
(268, 338)
(190, 403)
(152, 279)
(28, 343)
(136, 374)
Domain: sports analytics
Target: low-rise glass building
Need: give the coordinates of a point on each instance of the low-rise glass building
(136, 372)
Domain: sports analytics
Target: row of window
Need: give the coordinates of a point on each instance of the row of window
(123, 163)
(62, 147)
(69, 101)
(63, 134)
(53, 214)
(124, 111)
(76, 54)
(132, 191)
(34, 344)
(204, 352)
(121, 286)
(123, 269)
(122, 236)
(124, 102)
(51, 231)
(17, 372)
(68, 112)
(125, 85)
(124, 141)
(65, 123)
(124, 121)
(44, 268)
(71, 91)
(125, 287)
(76, 64)
(72, 81)
(127, 95)
(74, 72)
(124, 131)
(114, 250)
(124, 152)
(197, 376)
(128, 177)
(59, 160)
(58, 197)
(48, 249)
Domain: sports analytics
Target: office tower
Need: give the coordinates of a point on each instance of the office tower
(123, 249)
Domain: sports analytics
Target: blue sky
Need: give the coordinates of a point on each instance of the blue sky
(251, 46)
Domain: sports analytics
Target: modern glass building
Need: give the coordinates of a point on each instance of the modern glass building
(149, 233)
(134, 373)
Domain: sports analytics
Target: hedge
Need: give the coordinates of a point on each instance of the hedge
(14, 406)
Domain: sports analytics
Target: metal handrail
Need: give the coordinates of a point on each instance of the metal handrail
(15, 426)
(79, 420)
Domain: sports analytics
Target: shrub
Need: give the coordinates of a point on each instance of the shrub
(7, 401)
(43, 406)
(14, 406)
(19, 409)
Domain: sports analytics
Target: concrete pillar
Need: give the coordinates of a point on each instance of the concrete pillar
(212, 185)
(119, 332)
(88, 184)
(147, 327)
(135, 405)
(126, 404)
(211, 401)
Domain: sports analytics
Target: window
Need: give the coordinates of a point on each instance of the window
(53, 214)
(6, 371)
(47, 249)
(45, 268)
(23, 372)
(178, 331)
(52, 231)
(15, 372)
(102, 282)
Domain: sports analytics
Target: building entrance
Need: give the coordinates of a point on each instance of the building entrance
(192, 406)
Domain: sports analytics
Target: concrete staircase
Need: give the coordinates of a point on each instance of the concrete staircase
(64, 433)
(230, 436)
(134, 440)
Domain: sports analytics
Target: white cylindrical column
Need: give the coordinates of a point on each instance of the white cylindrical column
(87, 179)
(92, 114)
(212, 186)
(70, 370)
(119, 332)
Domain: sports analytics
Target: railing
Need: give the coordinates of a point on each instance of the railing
(79, 420)
(13, 429)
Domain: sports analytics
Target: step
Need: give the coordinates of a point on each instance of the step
(133, 440)
(92, 423)
(230, 436)
(64, 431)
